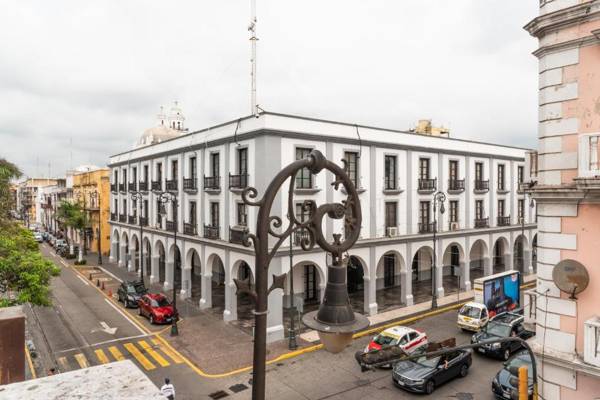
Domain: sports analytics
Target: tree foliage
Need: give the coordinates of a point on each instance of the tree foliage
(8, 171)
(72, 215)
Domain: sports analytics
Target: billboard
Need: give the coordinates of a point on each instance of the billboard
(502, 294)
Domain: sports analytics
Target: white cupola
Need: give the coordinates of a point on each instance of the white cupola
(176, 119)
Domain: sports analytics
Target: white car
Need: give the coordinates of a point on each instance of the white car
(408, 339)
(38, 237)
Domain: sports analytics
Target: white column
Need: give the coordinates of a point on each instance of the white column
(593, 153)
(186, 282)
(114, 248)
(275, 307)
(131, 259)
(154, 269)
(123, 256)
(407, 283)
(230, 311)
(465, 275)
(206, 282)
(370, 300)
(169, 275)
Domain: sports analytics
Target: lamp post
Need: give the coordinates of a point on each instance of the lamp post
(82, 250)
(335, 319)
(95, 198)
(163, 198)
(137, 197)
(292, 345)
(441, 197)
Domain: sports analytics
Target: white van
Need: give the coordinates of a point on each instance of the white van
(473, 316)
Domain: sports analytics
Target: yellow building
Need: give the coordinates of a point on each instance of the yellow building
(91, 189)
(425, 127)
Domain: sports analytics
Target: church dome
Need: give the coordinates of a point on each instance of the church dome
(157, 134)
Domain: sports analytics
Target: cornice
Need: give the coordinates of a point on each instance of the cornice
(579, 42)
(539, 26)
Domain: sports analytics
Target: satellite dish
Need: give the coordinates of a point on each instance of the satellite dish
(571, 277)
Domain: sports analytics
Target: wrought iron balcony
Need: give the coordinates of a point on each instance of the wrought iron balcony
(212, 183)
(211, 232)
(143, 186)
(190, 184)
(122, 217)
(503, 221)
(172, 184)
(132, 186)
(113, 187)
(482, 186)
(122, 188)
(299, 235)
(237, 233)
(157, 186)
(427, 185)
(456, 185)
(131, 219)
(428, 227)
(144, 221)
(171, 226)
(190, 229)
(238, 181)
(113, 216)
(482, 222)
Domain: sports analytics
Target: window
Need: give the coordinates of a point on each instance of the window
(214, 164)
(242, 161)
(520, 173)
(423, 168)
(174, 169)
(453, 210)
(174, 214)
(352, 166)
(501, 208)
(390, 172)
(242, 216)
(303, 177)
(134, 175)
(453, 170)
(501, 171)
(301, 214)
(145, 173)
(193, 170)
(424, 208)
(125, 177)
(158, 215)
(310, 283)
(134, 208)
(192, 218)
(159, 172)
(124, 207)
(145, 210)
(521, 208)
(116, 178)
(478, 171)
(478, 209)
(214, 215)
(390, 214)
(116, 206)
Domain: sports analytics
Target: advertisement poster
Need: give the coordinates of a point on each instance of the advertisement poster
(502, 294)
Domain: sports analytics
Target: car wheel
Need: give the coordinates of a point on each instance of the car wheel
(506, 355)
(151, 319)
(429, 387)
(464, 370)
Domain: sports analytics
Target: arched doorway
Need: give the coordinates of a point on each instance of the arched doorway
(390, 291)
(308, 277)
(176, 257)
(162, 261)
(534, 254)
(116, 246)
(355, 283)
(478, 257)
(421, 274)
(217, 284)
(452, 264)
(147, 257)
(500, 253)
(520, 256)
(193, 260)
(136, 252)
(245, 305)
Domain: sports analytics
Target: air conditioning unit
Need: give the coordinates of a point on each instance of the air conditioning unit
(454, 226)
(391, 231)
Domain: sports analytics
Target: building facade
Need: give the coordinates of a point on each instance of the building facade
(566, 186)
(488, 225)
(28, 203)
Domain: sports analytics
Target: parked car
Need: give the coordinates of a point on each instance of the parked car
(501, 386)
(38, 237)
(424, 374)
(60, 243)
(502, 326)
(130, 292)
(408, 339)
(157, 308)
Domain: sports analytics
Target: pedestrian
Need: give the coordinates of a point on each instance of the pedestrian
(168, 390)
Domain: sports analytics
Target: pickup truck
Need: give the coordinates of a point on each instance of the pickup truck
(502, 326)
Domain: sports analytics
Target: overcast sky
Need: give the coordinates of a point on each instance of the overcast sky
(86, 78)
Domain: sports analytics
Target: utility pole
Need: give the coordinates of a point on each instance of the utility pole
(253, 40)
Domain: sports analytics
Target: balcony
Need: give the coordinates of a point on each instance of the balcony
(456, 185)
(503, 221)
(190, 229)
(428, 227)
(171, 226)
(157, 186)
(427, 185)
(113, 187)
(113, 216)
(132, 186)
(502, 188)
(238, 181)
(237, 234)
(144, 221)
(172, 185)
(122, 217)
(122, 188)
(299, 235)
(190, 185)
(131, 219)
(212, 183)
(211, 232)
(482, 222)
(143, 186)
(481, 186)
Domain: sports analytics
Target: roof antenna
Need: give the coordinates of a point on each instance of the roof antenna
(359, 142)
(253, 40)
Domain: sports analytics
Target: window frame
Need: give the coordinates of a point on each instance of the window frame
(304, 178)
(390, 172)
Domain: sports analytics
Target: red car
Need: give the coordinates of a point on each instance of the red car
(157, 308)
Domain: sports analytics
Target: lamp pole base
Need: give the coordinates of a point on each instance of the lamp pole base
(174, 329)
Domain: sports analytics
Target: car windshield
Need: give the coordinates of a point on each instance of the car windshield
(160, 302)
(519, 361)
(429, 362)
(383, 340)
(471, 312)
(139, 289)
(498, 329)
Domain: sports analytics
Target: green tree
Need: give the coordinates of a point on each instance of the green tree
(8, 171)
(74, 216)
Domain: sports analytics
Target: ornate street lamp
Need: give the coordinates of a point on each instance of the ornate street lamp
(95, 198)
(441, 197)
(138, 198)
(81, 196)
(292, 344)
(335, 321)
(171, 197)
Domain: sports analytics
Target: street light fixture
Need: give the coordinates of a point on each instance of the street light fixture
(82, 249)
(163, 198)
(335, 321)
(95, 198)
(441, 197)
(138, 198)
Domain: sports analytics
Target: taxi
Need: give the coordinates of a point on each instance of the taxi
(408, 339)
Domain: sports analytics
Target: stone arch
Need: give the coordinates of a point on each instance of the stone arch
(390, 285)
(147, 247)
(309, 281)
(159, 251)
(521, 254)
(421, 273)
(453, 268)
(501, 255)
(356, 272)
(175, 260)
(135, 252)
(217, 268)
(479, 260)
(115, 246)
(244, 305)
(116, 236)
(194, 263)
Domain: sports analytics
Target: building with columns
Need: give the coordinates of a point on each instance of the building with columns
(488, 225)
(566, 179)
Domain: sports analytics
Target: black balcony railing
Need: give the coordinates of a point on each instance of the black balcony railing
(132, 186)
(299, 235)
(113, 187)
(456, 184)
(172, 184)
(390, 183)
(190, 184)
(157, 186)
(503, 221)
(482, 222)
(122, 187)
(144, 221)
(211, 232)
(236, 234)
(212, 182)
(427, 184)
(122, 217)
(190, 229)
(238, 181)
(113, 216)
(481, 186)
(143, 186)
(131, 219)
(170, 226)
(428, 227)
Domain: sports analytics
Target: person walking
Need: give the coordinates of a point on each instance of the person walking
(168, 390)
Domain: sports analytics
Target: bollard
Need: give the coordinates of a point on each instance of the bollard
(98, 283)
(102, 285)
(523, 384)
(109, 293)
(90, 278)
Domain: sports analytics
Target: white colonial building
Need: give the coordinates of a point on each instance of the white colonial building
(488, 224)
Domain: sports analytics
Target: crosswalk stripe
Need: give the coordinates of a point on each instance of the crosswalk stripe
(64, 365)
(139, 356)
(101, 356)
(159, 359)
(116, 353)
(81, 360)
(176, 359)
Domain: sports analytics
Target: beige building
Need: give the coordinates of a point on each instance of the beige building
(27, 198)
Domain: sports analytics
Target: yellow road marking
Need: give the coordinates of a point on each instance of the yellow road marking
(116, 353)
(81, 360)
(139, 356)
(101, 356)
(159, 359)
(64, 365)
(30, 363)
(176, 359)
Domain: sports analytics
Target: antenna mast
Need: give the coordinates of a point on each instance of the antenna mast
(253, 39)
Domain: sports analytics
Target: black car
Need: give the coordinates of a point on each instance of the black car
(424, 374)
(502, 326)
(130, 292)
(501, 386)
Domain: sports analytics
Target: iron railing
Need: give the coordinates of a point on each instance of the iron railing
(157, 186)
(190, 184)
(122, 187)
(170, 226)
(481, 185)
(212, 182)
(236, 235)
(132, 186)
(427, 184)
(113, 187)
(144, 221)
(122, 217)
(143, 186)
(428, 227)
(172, 184)
(456, 184)
(482, 222)
(131, 219)
(113, 216)
(190, 228)
(211, 232)
(503, 221)
(238, 181)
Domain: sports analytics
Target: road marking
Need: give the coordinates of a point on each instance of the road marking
(119, 340)
(159, 359)
(81, 360)
(111, 274)
(176, 359)
(83, 280)
(139, 356)
(110, 303)
(116, 353)
(101, 356)
(64, 365)
(30, 363)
